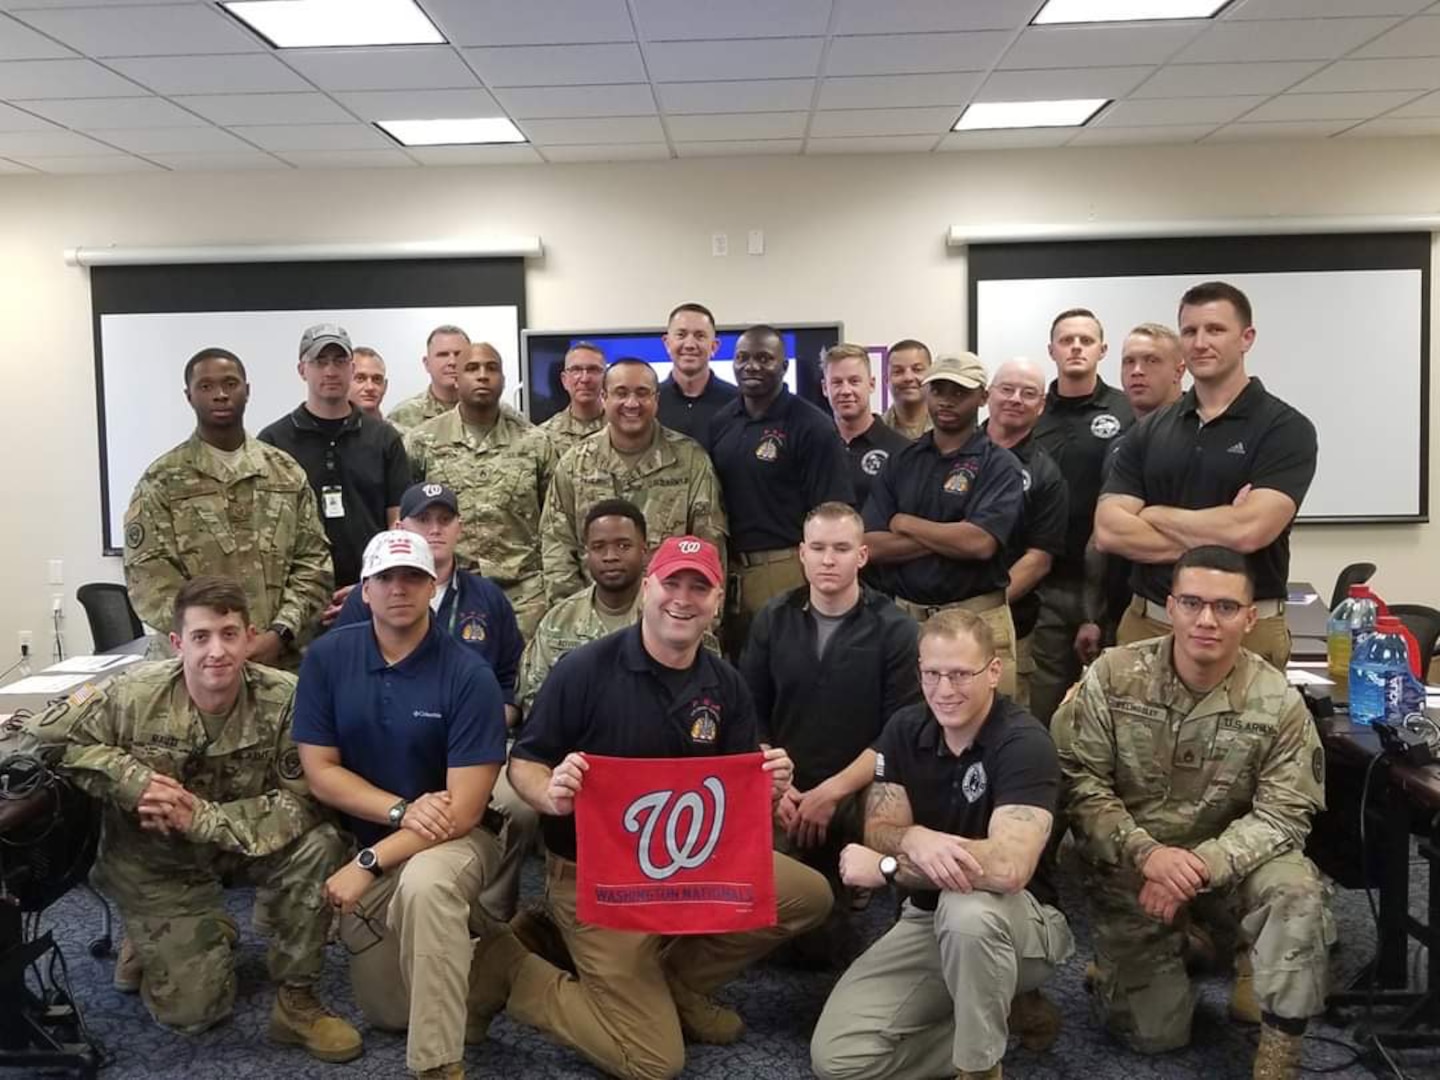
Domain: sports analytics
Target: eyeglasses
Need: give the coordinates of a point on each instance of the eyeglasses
(1009, 390)
(958, 679)
(589, 371)
(1224, 610)
(374, 930)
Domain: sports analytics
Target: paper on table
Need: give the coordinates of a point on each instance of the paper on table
(1302, 598)
(43, 684)
(89, 665)
(1300, 677)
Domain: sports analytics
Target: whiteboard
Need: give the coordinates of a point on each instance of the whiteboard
(143, 362)
(1342, 346)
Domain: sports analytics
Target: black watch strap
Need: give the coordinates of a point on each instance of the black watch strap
(286, 634)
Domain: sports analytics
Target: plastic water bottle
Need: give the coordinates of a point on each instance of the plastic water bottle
(1354, 615)
(1379, 668)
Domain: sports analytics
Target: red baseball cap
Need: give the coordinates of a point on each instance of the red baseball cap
(687, 553)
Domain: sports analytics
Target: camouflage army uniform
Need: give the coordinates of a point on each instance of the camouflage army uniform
(256, 523)
(1234, 776)
(892, 419)
(673, 484)
(256, 823)
(565, 429)
(500, 481)
(414, 411)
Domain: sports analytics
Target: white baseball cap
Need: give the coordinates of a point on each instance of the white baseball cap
(397, 547)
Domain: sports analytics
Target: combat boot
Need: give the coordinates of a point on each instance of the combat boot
(298, 1019)
(1278, 1056)
(704, 1020)
(128, 971)
(992, 1073)
(1034, 1020)
(493, 963)
(1244, 1006)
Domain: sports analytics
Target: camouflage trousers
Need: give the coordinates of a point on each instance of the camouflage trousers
(185, 939)
(1144, 995)
(527, 597)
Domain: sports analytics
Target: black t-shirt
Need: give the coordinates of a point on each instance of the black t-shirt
(775, 468)
(692, 415)
(1012, 762)
(979, 483)
(1172, 458)
(1042, 522)
(1076, 432)
(607, 698)
(364, 459)
(868, 452)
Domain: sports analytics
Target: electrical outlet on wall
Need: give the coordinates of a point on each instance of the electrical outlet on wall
(57, 571)
(26, 640)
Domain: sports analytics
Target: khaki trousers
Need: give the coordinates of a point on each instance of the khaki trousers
(755, 576)
(1024, 669)
(501, 895)
(410, 946)
(933, 995)
(617, 1011)
(1270, 637)
(996, 616)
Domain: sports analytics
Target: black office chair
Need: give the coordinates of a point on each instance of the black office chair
(1424, 623)
(113, 621)
(1357, 573)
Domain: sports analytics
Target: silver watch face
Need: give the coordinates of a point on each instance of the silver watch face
(366, 859)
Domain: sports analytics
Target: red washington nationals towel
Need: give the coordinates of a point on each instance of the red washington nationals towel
(675, 845)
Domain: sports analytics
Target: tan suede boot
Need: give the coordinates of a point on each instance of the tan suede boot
(454, 1071)
(299, 1019)
(992, 1073)
(1244, 1006)
(704, 1020)
(1278, 1056)
(128, 971)
(1034, 1020)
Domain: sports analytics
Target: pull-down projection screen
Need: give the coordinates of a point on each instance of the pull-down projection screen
(1342, 334)
(150, 319)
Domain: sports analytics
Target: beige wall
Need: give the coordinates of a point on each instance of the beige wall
(861, 239)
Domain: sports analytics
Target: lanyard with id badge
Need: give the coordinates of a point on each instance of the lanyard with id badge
(332, 498)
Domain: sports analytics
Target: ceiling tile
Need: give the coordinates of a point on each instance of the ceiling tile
(850, 122)
(476, 155)
(108, 163)
(1320, 9)
(698, 20)
(88, 114)
(316, 137)
(145, 31)
(760, 58)
(1053, 84)
(210, 74)
(930, 16)
(1359, 106)
(1283, 39)
(217, 162)
(898, 91)
(1387, 128)
(1098, 46)
(1292, 129)
(19, 42)
(1429, 105)
(348, 159)
(534, 22)
(432, 67)
(1176, 111)
(28, 144)
(873, 144)
(1130, 136)
(739, 148)
(24, 79)
(737, 126)
(619, 129)
(621, 99)
(1350, 75)
(420, 104)
(758, 95)
(905, 54)
(618, 152)
(1006, 140)
(12, 119)
(265, 108)
(185, 140)
(558, 65)
(1418, 37)
(1205, 80)
(10, 5)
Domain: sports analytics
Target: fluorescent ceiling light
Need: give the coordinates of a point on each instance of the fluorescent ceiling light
(1098, 11)
(313, 24)
(984, 115)
(487, 129)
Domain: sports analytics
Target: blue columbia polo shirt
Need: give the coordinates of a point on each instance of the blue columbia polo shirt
(399, 726)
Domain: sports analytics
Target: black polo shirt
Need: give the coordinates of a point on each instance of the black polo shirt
(610, 697)
(1076, 432)
(775, 468)
(1174, 459)
(979, 483)
(868, 453)
(357, 467)
(692, 415)
(1012, 762)
(1042, 524)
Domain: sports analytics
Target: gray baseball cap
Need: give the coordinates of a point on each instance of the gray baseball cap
(320, 335)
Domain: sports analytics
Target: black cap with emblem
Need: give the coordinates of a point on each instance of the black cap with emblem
(420, 497)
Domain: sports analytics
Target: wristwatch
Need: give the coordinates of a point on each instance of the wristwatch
(368, 860)
(889, 867)
(397, 813)
(286, 634)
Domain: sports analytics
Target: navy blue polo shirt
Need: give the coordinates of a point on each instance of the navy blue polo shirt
(1041, 526)
(979, 483)
(868, 453)
(611, 697)
(399, 726)
(476, 613)
(692, 415)
(775, 468)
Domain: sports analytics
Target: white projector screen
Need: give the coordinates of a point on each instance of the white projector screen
(1345, 346)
